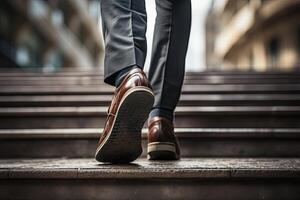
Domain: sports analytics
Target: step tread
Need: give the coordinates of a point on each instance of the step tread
(200, 87)
(17, 72)
(181, 110)
(185, 168)
(185, 97)
(193, 89)
(94, 133)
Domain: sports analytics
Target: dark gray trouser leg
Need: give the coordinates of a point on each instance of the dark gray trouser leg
(124, 29)
(171, 36)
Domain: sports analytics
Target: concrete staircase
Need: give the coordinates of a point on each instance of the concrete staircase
(239, 134)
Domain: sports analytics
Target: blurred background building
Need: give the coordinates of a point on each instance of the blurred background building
(50, 34)
(258, 35)
(246, 35)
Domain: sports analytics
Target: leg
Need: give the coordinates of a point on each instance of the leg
(124, 28)
(166, 75)
(124, 25)
(171, 35)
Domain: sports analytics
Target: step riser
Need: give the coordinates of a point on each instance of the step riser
(79, 73)
(198, 121)
(180, 103)
(92, 82)
(209, 189)
(187, 89)
(190, 147)
(188, 75)
(61, 91)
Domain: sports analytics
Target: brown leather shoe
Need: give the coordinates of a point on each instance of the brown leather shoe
(121, 138)
(162, 142)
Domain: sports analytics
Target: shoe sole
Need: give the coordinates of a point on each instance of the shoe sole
(162, 151)
(123, 143)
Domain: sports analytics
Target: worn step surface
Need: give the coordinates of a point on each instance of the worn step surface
(194, 75)
(194, 142)
(185, 100)
(199, 178)
(186, 89)
(197, 117)
(189, 79)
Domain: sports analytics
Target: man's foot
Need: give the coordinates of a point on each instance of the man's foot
(162, 142)
(121, 138)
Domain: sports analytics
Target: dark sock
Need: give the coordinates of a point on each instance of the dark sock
(121, 74)
(162, 112)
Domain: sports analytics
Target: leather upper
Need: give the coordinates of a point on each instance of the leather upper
(162, 130)
(135, 77)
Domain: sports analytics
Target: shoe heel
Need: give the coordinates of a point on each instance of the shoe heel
(162, 151)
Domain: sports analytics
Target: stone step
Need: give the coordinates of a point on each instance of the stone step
(187, 89)
(52, 80)
(98, 80)
(200, 178)
(194, 142)
(241, 80)
(185, 100)
(195, 116)
(77, 73)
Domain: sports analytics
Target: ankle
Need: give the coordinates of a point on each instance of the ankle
(122, 74)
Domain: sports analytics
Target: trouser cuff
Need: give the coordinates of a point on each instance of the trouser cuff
(162, 112)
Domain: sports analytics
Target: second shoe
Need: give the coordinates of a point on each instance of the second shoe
(162, 142)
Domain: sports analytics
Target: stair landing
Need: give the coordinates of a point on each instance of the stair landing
(198, 178)
(142, 168)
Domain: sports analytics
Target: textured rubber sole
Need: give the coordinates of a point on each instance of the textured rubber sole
(162, 151)
(123, 143)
